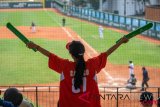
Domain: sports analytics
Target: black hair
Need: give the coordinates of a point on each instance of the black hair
(158, 102)
(143, 68)
(76, 49)
(130, 61)
(146, 97)
(13, 95)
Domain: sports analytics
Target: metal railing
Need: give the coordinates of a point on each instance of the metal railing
(47, 96)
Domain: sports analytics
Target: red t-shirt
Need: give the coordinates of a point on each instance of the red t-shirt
(88, 94)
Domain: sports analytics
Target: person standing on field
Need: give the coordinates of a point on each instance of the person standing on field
(100, 29)
(63, 22)
(131, 68)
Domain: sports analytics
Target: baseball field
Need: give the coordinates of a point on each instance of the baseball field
(22, 66)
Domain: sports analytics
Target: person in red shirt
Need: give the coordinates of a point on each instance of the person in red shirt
(78, 84)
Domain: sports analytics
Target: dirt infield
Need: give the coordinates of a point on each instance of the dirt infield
(53, 33)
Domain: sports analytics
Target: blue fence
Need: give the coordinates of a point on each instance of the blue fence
(114, 20)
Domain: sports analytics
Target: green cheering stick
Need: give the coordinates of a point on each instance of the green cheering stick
(138, 31)
(18, 34)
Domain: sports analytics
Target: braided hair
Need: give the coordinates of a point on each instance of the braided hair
(76, 49)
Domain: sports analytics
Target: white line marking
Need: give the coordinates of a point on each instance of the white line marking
(67, 33)
(70, 36)
(95, 52)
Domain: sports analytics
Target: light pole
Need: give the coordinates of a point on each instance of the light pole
(100, 5)
(124, 7)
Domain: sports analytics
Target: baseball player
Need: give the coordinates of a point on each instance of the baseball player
(78, 77)
(33, 27)
(100, 29)
(131, 68)
(26, 103)
(63, 22)
(14, 96)
(131, 83)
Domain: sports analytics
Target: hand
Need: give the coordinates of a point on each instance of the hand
(124, 39)
(32, 45)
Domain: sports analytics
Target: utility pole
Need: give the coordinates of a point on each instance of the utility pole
(100, 5)
(125, 7)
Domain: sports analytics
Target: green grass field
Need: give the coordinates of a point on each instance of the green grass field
(20, 65)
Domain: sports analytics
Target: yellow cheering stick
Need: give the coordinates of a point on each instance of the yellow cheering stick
(18, 34)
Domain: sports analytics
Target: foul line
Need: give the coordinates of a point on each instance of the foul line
(70, 36)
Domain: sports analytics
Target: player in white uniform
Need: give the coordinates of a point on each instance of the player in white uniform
(33, 27)
(100, 29)
(131, 83)
(131, 68)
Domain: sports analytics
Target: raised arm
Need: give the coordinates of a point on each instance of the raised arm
(114, 47)
(38, 48)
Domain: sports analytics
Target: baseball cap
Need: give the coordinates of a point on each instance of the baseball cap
(67, 45)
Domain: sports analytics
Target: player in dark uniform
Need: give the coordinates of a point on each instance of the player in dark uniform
(145, 78)
(63, 22)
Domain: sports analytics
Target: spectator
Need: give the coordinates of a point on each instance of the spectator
(5, 103)
(146, 99)
(14, 96)
(26, 103)
(33, 27)
(158, 102)
(78, 77)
